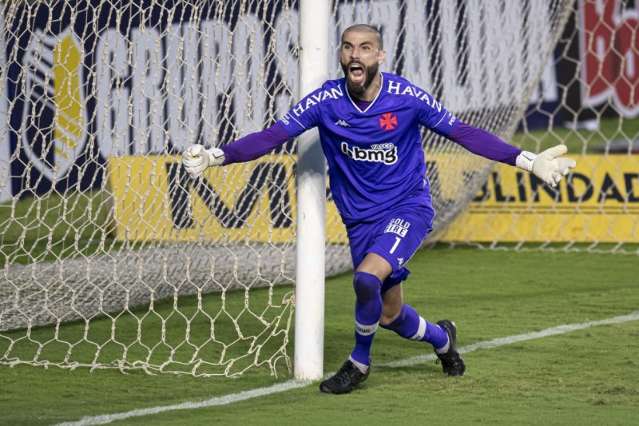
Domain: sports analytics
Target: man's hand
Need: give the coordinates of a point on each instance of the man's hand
(549, 165)
(196, 159)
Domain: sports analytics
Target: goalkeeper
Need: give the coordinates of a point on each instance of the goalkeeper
(369, 125)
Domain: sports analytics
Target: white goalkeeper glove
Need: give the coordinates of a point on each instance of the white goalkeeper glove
(548, 165)
(196, 159)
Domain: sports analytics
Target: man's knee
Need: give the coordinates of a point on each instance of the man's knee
(376, 265)
(367, 286)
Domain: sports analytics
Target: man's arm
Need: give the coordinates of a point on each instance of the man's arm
(549, 165)
(303, 116)
(483, 143)
(197, 158)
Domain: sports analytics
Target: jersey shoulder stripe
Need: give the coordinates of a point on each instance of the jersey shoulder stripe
(400, 86)
(330, 90)
(306, 113)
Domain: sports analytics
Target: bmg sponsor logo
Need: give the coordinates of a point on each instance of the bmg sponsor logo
(377, 153)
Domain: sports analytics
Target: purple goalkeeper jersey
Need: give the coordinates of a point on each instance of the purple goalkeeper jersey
(375, 155)
(373, 149)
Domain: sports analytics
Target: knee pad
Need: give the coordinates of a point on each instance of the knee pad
(367, 286)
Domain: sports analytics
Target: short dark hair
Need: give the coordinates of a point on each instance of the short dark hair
(366, 28)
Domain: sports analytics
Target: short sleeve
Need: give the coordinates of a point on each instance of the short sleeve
(433, 115)
(303, 116)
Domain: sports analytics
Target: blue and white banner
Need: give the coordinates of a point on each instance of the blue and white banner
(87, 80)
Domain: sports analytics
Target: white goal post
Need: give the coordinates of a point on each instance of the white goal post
(311, 197)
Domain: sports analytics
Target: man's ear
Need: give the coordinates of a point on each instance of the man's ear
(381, 56)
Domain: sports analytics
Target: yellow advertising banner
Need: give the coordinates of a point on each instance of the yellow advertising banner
(599, 201)
(156, 200)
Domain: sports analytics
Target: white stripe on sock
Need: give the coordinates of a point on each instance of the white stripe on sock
(365, 330)
(444, 348)
(421, 330)
(360, 366)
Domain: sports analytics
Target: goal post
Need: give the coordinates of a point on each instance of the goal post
(311, 199)
(5, 184)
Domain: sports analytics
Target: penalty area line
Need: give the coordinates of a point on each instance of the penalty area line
(295, 384)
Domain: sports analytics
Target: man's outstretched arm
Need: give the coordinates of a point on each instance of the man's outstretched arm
(197, 158)
(296, 121)
(549, 165)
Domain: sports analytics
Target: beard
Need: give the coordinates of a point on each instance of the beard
(358, 89)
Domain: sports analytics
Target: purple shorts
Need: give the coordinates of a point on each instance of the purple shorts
(396, 236)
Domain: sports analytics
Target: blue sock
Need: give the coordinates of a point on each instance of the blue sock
(411, 326)
(368, 309)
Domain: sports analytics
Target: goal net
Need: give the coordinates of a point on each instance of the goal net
(588, 99)
(113, 257)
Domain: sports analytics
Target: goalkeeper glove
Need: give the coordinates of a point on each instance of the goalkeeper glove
(196, 159)
(548, 165)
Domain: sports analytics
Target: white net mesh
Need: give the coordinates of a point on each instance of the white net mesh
(109, 246)
(588, 99)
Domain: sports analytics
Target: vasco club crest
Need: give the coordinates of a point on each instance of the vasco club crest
(54, 119)
(388, 121)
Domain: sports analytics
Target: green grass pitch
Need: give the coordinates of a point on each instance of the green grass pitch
(584, 377)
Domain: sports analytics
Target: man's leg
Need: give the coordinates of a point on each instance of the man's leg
(378, 252)
(404, 320)
(367, 283)
(402, 236)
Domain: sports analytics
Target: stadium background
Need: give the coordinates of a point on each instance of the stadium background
(560, 98)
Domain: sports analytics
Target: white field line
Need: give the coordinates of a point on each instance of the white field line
(294, 384)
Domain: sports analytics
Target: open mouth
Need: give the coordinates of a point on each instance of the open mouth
(356, 72)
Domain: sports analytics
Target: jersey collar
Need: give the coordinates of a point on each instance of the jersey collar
(381, 86)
